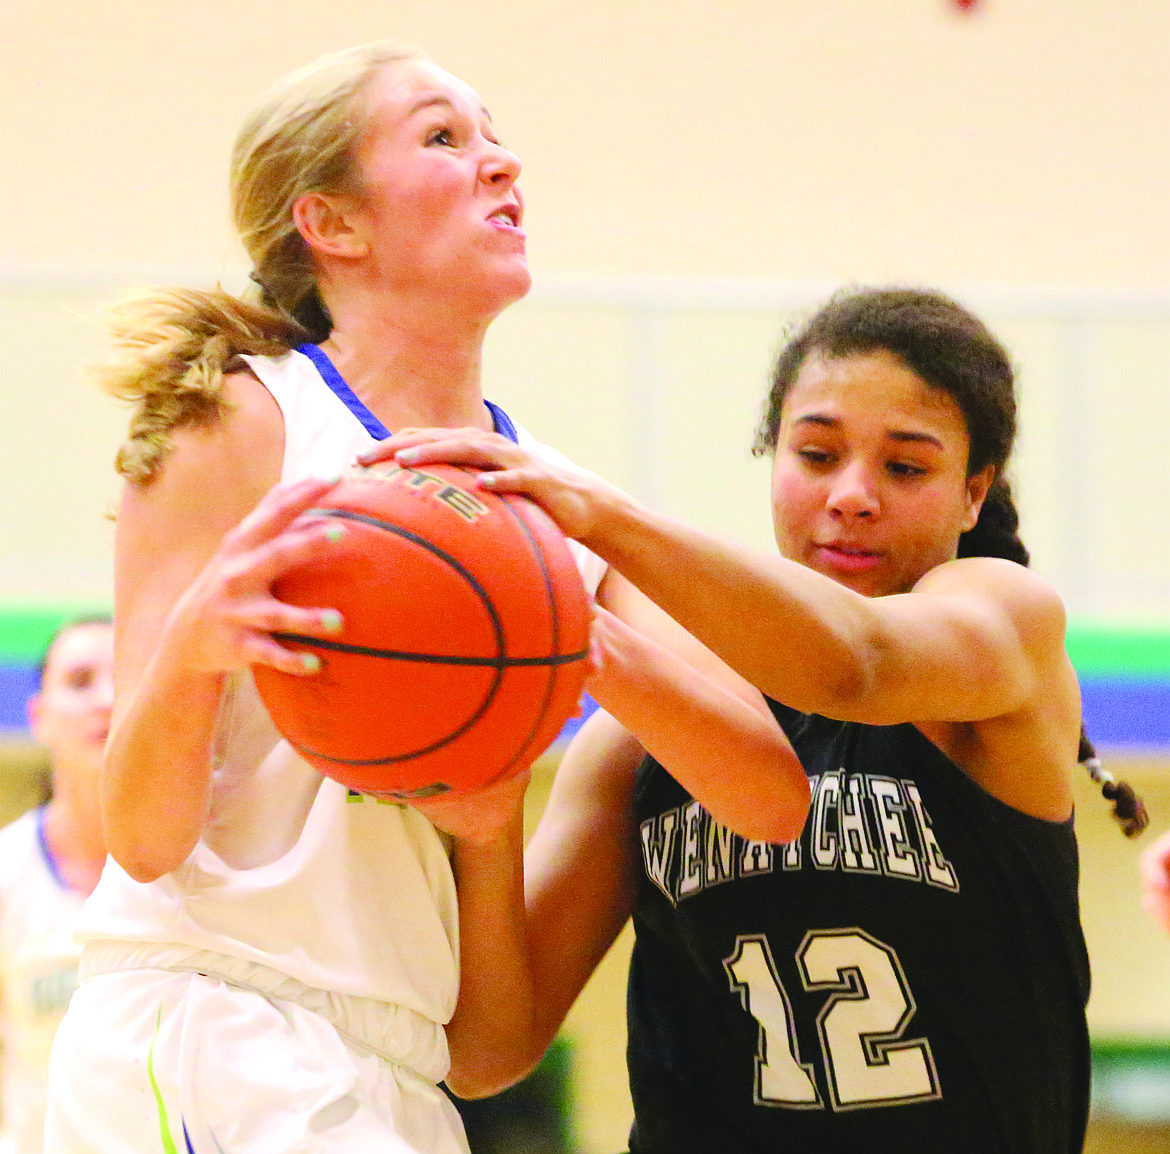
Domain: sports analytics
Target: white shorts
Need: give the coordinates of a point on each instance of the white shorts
(174, 1063)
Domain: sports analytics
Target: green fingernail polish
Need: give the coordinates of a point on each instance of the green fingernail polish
(311, 663)
(335, 532)
(331, 621)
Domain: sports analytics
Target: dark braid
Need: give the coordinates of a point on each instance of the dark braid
(995, 534)
(1128, 807)
(949, 349)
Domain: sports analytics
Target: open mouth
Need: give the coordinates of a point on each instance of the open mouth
(506, 214)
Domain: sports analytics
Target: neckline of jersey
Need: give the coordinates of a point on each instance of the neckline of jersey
(337, 384)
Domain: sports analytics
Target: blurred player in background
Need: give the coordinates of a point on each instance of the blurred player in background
(50, 860)
(1155, 875)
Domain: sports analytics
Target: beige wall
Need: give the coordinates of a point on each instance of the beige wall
(1021, 143)
(723, 160)
(657, 385)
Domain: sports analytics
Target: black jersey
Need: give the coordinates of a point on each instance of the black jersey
(909, 975)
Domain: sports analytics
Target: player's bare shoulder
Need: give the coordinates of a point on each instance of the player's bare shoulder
(213, 471)
(1023, 597)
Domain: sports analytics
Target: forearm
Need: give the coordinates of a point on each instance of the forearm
(156, 780)
(728, 754)
(491, 1035)
(581, 867)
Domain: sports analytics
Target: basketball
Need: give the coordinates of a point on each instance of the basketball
(465, 639)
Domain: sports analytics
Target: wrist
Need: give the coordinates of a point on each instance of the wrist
(612, 515)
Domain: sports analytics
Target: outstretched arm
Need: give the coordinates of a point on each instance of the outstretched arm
(708, 725)
(974, 653)
(962, 646)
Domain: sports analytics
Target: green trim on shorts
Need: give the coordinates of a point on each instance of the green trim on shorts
(164, 1128)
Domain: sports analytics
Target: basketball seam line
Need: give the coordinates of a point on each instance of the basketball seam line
(510, 504)
(434, 658)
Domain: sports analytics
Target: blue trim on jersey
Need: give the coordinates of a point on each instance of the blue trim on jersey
(343, 392)
(501, 422)
(46, 852)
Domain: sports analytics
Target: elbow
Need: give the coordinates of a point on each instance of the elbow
(846, 692)
(483, 1065)
(777, 813)
(788, 831)
(776, 825)
(140, 869)
(482, 1079)
(147, 845)
(145, 863)
(853, 685)
(785, 827)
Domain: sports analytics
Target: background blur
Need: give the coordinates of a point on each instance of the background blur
(697, 173)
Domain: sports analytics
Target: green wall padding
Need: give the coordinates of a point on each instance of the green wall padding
(25, 632)
(1095, 650)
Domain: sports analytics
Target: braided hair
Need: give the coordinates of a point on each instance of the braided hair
(995, 535)
(950, 349)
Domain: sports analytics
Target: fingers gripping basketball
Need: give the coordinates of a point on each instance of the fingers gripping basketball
(465, 638)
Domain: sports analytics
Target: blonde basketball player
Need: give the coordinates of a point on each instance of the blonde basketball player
(273, 964)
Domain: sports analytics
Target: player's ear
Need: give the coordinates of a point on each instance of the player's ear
(978, 485)
(329, 226)
(33, 712)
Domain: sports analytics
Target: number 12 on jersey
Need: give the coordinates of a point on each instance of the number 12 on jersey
(867, 1061)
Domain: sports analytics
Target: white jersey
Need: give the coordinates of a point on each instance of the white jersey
(299, 888)
(38, 973)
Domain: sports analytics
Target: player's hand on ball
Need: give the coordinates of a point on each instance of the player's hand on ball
(477, 816)
(225, 618)
(573, 499)
(470, 447)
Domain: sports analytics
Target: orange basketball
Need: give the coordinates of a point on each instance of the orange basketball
(465, 638)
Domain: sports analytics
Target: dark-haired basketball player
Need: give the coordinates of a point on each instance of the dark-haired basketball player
(909, 973)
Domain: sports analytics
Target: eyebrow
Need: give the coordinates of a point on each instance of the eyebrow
(902, 436)
(430, 101)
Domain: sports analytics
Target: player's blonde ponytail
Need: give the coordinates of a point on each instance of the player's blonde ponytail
(170, 350)
(171, 346)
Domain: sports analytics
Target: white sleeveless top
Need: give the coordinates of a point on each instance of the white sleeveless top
(300, 888)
